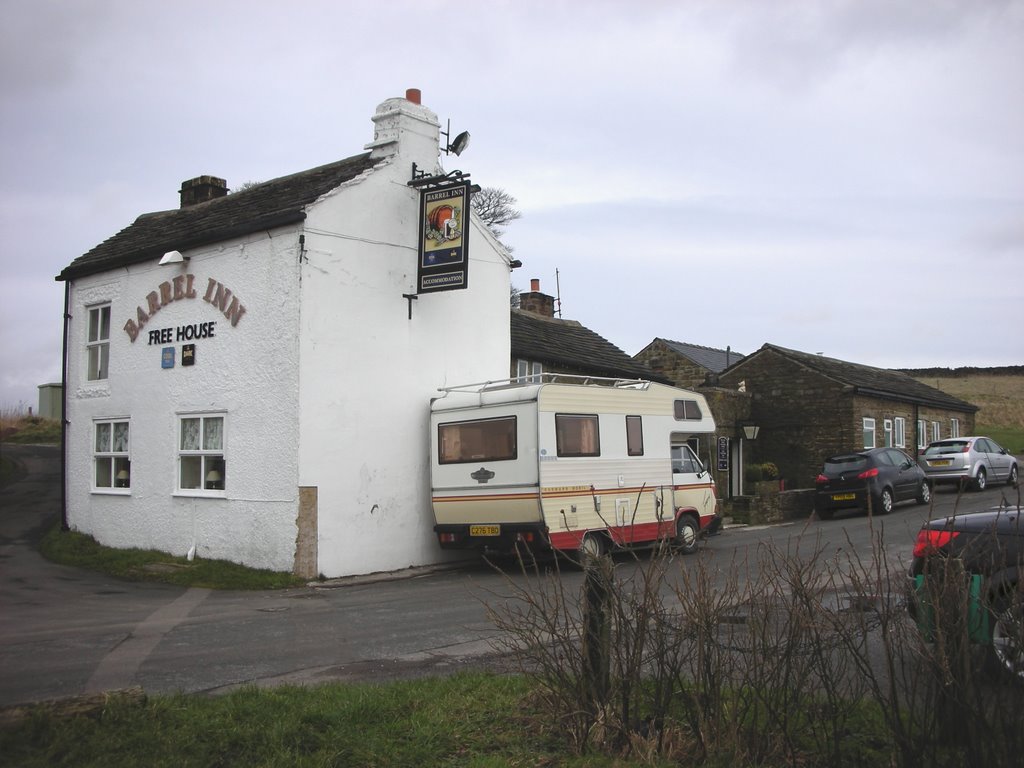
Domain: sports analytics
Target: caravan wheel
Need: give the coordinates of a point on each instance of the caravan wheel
(687, 534)
(593, 545)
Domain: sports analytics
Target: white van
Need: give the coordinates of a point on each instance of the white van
(571, 464)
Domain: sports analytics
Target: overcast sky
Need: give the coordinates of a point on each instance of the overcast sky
(840, 177)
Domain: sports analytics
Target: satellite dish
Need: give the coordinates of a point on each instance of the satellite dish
(460, 143)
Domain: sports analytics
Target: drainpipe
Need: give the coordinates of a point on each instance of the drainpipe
(64, 412)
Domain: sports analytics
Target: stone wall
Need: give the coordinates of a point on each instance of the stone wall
(681, 371)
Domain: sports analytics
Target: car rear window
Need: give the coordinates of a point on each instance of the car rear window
(850, 463)
(950, 446)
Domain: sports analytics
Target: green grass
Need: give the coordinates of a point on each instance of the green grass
(81, 551)
(1011, 438)
(464, 720)
(32, 430)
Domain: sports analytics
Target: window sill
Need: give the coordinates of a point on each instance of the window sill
(112, 491)
(200, 493)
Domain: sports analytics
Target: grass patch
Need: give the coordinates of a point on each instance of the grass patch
(468, 719)
(1011, 438)
(82, 551)
(30, 430)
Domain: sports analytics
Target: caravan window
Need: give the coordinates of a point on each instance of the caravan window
(577, 435)
(634, 436)
(687, 410)
(470, 441)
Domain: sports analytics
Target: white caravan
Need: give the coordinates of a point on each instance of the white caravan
(571, 464)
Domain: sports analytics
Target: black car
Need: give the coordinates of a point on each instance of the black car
(971, 566)
(873, 479)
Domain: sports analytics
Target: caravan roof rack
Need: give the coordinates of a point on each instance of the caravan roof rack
(547, 378)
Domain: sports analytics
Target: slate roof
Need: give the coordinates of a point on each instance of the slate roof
(567, 344)
(714, 360)
(873, 382)
(273, 203)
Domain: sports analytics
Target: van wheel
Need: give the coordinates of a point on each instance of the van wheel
(687, 534)
(593, 546)
(981, 480)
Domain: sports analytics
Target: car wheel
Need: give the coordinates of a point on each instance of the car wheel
(593, 546)
(1008, 636)
(924, 495)
(687, 534)
(981, 480)
(1012, 481)
(885, 502)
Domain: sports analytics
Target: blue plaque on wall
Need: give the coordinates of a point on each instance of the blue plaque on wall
(167, 357)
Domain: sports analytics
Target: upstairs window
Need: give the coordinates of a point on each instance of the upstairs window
(112, 464)
(529, 372)
(577, 435)
(201, 462)
(98, 342)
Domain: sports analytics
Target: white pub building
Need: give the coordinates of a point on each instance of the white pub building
(248, 376)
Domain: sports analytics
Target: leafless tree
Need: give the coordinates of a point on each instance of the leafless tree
(496, 207)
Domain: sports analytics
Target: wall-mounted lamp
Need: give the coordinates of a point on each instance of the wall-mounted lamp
(750, 431)
(458, 146)
(213, 479)
(515, 264)
(173, 257)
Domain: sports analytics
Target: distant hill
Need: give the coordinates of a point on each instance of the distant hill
(998, 392)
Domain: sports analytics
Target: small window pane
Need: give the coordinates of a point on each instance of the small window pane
(213, 434)
(103, 472)
(102, 438)
(189, 435)
(120, 437)
(191, 472)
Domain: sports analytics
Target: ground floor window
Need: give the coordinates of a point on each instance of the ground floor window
(112, 466)
(869, 432)
(887, 432)
(922, 433)
(201, 462)
(954, 427)
(936, 431)
(899, 436)
(529, 372)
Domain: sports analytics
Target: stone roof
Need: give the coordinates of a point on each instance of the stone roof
(273, 203)
(714, 360)
(872, 382)
(568, 345)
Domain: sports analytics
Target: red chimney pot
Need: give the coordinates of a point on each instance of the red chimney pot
(534, 284)
(413, 95)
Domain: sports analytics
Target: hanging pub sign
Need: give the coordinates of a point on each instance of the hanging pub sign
(443, 239)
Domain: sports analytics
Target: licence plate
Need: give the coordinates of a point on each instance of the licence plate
(940, 463)
(843, 496)
(485, 530)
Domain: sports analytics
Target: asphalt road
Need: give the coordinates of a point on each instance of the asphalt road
(65, 632)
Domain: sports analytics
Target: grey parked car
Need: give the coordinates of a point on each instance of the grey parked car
(974, 460)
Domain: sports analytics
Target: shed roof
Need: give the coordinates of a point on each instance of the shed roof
(568, 344)
(871, 382)
(273, 203)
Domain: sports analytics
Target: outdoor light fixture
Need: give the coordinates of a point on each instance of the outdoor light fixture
(458, 146)
(173, 257)
(515, 264)
(750, 431)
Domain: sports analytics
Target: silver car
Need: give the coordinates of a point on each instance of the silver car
(968, 460)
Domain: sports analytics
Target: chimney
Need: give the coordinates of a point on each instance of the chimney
(404, 126)
(536, 302)
(200, 189)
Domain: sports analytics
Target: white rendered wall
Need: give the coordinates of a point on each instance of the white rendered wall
(249, 371)
(368, 372)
